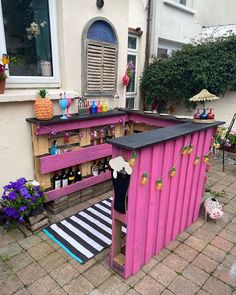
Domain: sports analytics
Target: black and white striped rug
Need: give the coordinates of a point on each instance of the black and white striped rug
(86, 233)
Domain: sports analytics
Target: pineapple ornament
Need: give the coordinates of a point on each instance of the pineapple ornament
(172, 172)
(196, 160)
(189, 149)
(43, 106)
(144, 178)
(132, 160)
(159, 184)
(206, 158)
(184, 150)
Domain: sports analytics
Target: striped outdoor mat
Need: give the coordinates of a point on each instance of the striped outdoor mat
(86, 233)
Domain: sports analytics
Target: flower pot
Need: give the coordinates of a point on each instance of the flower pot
(46, 68)
(2, 85)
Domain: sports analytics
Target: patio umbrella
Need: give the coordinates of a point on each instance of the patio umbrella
(204, 95)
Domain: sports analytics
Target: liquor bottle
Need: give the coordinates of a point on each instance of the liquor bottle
(100, 167)
(56, 181)
(106, 165)
(93, 108)
(54, 149)
(104, 107)
(94, 169)
(64, 179)
(78, 175)
(71, 176)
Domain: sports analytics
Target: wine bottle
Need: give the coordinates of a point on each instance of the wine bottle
(56, 181)
(106, 165)
(78, 175)
(94, 169)
(100, 167)
(71, 176)
(64, 179)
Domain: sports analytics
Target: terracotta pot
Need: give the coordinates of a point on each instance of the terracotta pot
(2, 86)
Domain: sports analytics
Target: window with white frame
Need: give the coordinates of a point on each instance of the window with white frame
(183, 2)
(167, 47)
(132, 62)
(28, 34)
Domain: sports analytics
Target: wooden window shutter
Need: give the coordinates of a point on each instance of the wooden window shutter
(101, 68)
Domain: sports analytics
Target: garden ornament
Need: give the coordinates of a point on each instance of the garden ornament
(213, 208)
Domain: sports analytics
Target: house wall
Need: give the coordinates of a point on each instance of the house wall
(17, 104)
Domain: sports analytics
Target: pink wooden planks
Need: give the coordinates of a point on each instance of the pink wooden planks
(57, 193)
(56, 162)
(152, 121)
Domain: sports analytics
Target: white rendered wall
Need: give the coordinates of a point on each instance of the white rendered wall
(15, 144)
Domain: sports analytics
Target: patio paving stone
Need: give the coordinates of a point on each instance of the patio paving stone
(40, 250)
(52, 261)
(133, 280)
(148, 286)
(22, 292)
(10, 285)
(175, 262)
(19, 261)
(186, 252)
(114, 285)
(195, 243)
(31, 273)
(226, 275)
(64, 274)
(79, 285)
(204, 235)
(195, 274)
(222, 244)
(163, 274)
(43, 286)
(229, 260)
(149, 266)
(10, 250)
(205, 263)
(216, 287)
(97, 274)
(182, 286)
(214, 253)
(27, 243)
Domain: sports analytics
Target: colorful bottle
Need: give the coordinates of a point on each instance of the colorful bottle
(204, 115)
(71, 177)
(104, 107)
(94, 169)
(197, 115)
(54, 149)
(99, 107)
(56, 181)
(211, 116)
(93, 108)
(64, 179)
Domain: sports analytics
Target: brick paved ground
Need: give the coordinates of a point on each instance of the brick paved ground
(202, 260)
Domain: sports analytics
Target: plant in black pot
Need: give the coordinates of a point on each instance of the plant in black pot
(22, 201)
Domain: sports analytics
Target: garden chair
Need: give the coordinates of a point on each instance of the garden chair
(225, 138)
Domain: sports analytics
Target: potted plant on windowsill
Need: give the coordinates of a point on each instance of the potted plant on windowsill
(35, 31)
(22, 201)
(3, 76)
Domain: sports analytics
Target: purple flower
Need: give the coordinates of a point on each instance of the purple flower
(23, 208)
(11, 212)
(24, 192)
(12, 196)
(21, 180)
(21, 219)
(15, 185)
(6, 187)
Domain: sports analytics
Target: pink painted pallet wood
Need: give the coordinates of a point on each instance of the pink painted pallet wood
(56, 162)
(155, 121)
(90, 181)
(155, 217)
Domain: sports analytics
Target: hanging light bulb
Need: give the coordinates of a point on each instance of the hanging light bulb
(159, 183)
(206, 158)
(172, 172)
(196, 160)
(132, 160)
(144, 178)
(189, 149)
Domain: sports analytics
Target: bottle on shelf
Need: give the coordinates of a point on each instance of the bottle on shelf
(99, 107)
(93, 108)
(54, 148)
(100, 167)
(64, 178)
(71, 176)
(78, 175)
(94, 169)
(104, 107)
(211, 115)
(56, 181)
(106, 165)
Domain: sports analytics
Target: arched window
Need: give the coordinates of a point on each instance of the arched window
(101, 62)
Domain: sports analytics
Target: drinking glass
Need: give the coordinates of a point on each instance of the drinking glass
(69, 101)
(63, 104)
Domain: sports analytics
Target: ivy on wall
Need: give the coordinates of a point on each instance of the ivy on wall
(210, 64)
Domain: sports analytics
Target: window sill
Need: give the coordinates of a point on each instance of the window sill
(180, 6)
(16, 95)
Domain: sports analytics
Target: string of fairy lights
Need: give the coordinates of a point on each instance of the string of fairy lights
(186, 150)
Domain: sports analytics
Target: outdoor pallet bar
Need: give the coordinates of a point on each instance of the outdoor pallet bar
(164, 191)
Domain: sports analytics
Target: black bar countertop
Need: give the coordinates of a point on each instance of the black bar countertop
(140, 140)
(148, 138)
(76, 117)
